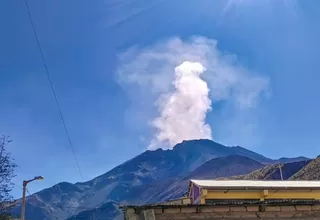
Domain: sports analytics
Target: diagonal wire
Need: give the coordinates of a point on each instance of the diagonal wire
(28, 192)
(52, 88)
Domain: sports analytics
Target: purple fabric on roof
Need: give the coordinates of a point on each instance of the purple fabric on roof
(196, 193)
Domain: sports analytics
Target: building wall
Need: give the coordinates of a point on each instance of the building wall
(180, 201)
(303, 212)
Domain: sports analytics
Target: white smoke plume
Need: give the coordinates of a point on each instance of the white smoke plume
(183, 112)
(173, 84)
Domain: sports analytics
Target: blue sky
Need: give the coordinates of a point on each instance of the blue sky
(84, 43)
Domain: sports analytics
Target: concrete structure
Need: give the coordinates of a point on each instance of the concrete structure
(179, 201)
(280, 211)
(240, 199)
(210, 191)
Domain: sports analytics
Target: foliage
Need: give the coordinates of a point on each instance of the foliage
(5, 216)
(7, 168)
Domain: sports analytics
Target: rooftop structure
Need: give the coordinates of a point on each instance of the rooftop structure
(211, 191)
(306, 210)
(237, 199)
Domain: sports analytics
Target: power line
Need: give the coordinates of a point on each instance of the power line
(28, 192)
(52, 88)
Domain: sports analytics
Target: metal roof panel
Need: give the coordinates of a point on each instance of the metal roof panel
(254, 184)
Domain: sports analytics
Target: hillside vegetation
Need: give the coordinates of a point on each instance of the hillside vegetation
(309, 172)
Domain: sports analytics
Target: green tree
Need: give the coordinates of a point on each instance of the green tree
(7, 168)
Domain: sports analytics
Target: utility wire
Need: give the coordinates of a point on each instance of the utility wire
(28, 192)
(52, 88)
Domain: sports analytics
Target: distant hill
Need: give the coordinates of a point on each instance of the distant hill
(224, 167)
(309, 172)
(272, 172)
(150, 177)
(289, 160)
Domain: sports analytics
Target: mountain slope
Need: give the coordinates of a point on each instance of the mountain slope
(220, 168)
(272, 172)
(215, 168)
(225, 166)
(165, 190)
(127, 182)
(108, 211)
(309, 172)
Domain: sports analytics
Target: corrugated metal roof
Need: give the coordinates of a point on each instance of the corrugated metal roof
(256, 184)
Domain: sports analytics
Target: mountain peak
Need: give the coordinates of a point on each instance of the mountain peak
(203, 145)
(150, 176)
